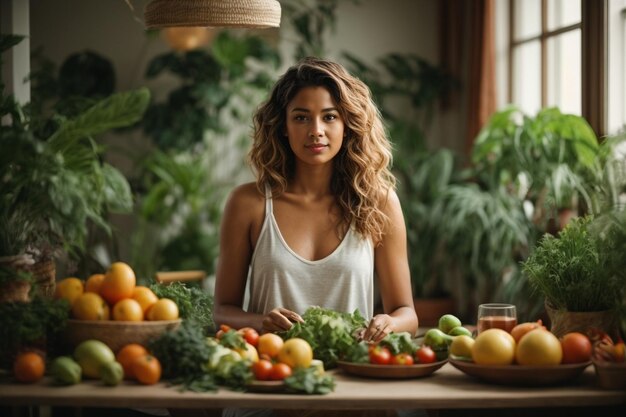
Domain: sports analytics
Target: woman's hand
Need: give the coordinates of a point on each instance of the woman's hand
(280, 319)
(380, 326)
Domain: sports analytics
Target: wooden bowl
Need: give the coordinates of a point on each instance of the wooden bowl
(611, 375)
(116, 334)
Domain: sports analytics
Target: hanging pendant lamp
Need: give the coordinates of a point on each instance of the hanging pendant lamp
(213, 13)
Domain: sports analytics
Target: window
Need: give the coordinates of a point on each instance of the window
(545, 53)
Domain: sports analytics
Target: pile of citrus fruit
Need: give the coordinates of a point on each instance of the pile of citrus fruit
(114, 295)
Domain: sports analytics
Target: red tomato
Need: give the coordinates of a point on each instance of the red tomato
(280, 371)
(576, 348)
(250, 335)
(402, 359)
(380, 355)
(223, 329)
(262, 369)
(425, 355)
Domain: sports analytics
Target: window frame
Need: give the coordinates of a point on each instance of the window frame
(593, 27)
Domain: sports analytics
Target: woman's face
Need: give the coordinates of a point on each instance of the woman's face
(315, 128)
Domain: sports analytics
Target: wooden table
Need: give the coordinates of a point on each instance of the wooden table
(447, 388)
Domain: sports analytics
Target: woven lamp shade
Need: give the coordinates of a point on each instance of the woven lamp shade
(213, 13)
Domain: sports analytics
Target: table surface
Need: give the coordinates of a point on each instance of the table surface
(448, 388)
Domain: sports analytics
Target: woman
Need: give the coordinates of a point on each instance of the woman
(322, 218)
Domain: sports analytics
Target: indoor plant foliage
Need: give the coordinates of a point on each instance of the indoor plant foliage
(200, 130)
(53, 182)
(526, 170)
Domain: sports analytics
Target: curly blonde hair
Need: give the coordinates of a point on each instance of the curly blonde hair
(361, 177)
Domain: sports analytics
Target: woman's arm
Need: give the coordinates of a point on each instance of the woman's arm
(392, 268)
(236, 249)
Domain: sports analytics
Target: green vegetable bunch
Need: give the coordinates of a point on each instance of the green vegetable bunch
(310, 381)
(573, 271)
(193, 303)
(34, 324)
(330, 333)
(183, 354)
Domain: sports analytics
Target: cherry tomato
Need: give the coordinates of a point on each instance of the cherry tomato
(250, 335)
(380, 355)
(223, 329)
(425, 355)
(280, 371)
(262, 369)
(402, 359)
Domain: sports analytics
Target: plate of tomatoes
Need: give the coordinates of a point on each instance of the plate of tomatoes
(390, 371)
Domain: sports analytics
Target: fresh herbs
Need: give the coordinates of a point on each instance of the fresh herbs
(399, 343)
(329, 333)
(310, 380)
(193, 303)
(573, 271)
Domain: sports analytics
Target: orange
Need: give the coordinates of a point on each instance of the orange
(118, 283)
(29, 367)
(269, 344)
(127, 310)
(493, 347)
(90, 306)
(127, 355)
(69, 289)
(164, 309)
(147, 369)
(94, 282)
(576, 348)
(539, 347)
(145, 297)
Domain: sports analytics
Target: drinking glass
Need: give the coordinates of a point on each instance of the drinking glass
(494, 315)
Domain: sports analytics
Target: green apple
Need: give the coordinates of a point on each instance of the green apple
(91, 355)
(448, 322)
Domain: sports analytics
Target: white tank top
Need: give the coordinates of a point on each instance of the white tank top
(343, 281)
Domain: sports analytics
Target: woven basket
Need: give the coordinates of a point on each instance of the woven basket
(213, 13)
(44, 273)
(611, 375)
(563, 321)
(116, 334)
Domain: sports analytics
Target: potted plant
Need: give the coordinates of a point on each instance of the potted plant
(53, 182)
(577, 272)
(525, 171)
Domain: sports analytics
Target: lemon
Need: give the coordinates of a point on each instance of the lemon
(461, 346)
(296, 353)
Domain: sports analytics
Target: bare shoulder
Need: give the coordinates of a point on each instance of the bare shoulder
(389, 202)
(245, 199)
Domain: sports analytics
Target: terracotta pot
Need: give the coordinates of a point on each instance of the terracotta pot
(429, 310)
(563, 321)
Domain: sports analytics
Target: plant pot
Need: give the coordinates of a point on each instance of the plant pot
(563, 321)
(15, 292)
(429, 310)
(44, 275)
